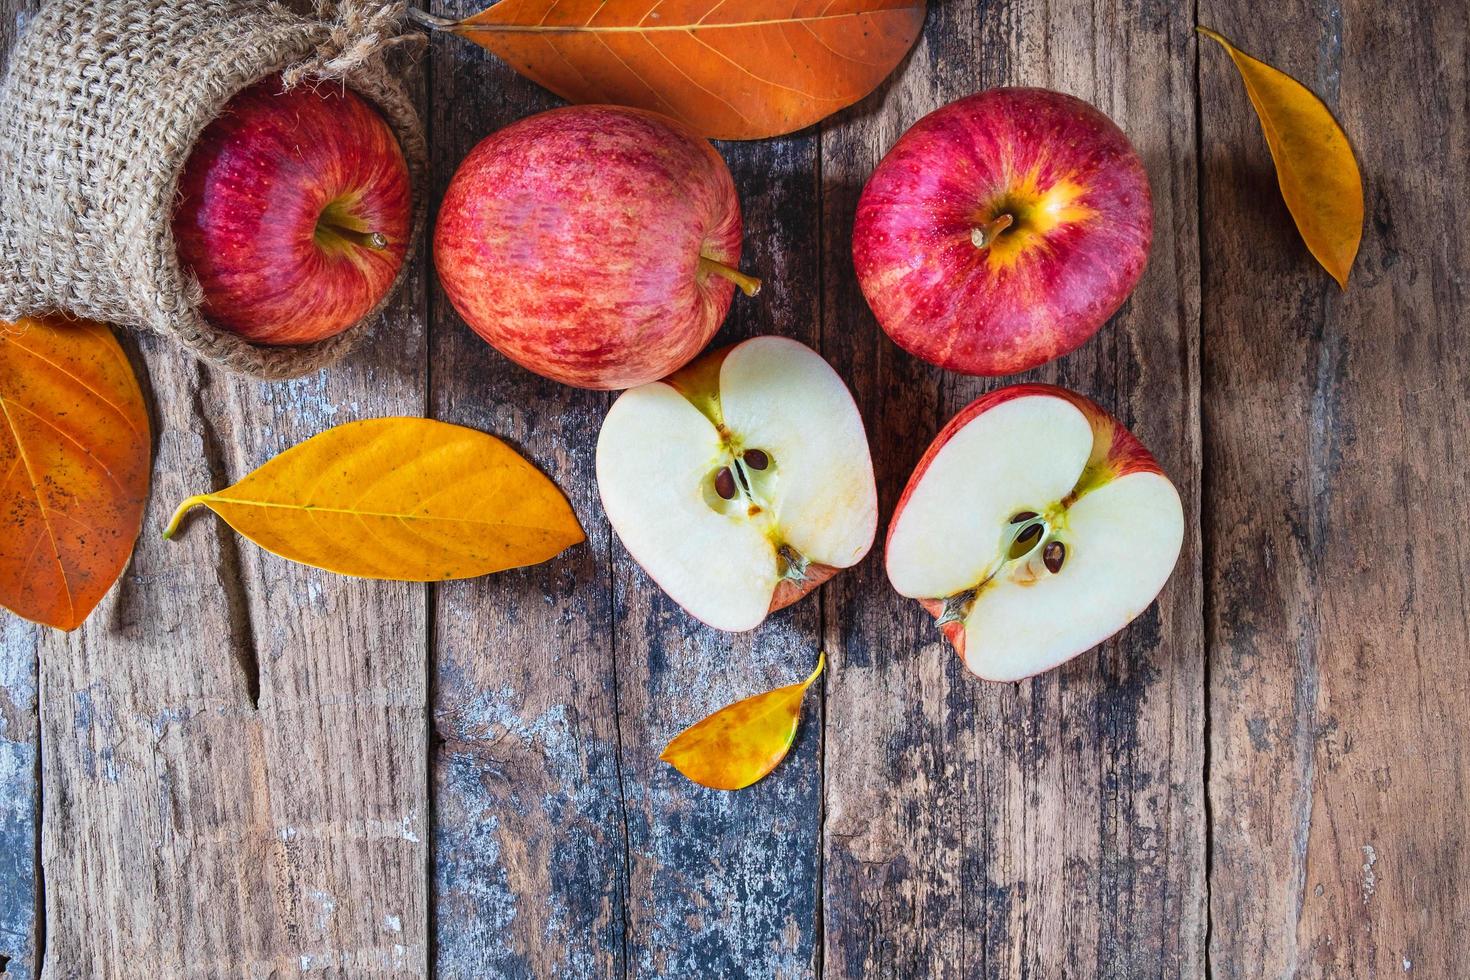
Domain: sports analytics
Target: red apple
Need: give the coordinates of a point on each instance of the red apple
(294, 212)
(595, 245)
(1035, 527)
(1003, 230)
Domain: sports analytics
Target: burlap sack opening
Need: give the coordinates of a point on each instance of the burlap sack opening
(100, 106)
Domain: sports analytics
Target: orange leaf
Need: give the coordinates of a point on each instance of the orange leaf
(1315, 165)
(74, 450)
(739, 744)
(729, 70)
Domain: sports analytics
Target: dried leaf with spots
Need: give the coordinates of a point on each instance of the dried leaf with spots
(1314, 161)
(729, 70)
(741, 743)
(74, 448)
(399, 498)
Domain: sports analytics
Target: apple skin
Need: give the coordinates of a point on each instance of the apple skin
(1082, 227)
(571, 241)
(276, 202)
(1116, 452)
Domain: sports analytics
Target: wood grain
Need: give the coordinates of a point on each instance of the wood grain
(529, 846)
(233, 746)
(1337, 424)
(21, 938)
(237, 779)
(19, 799)
(721, 882)
(1053, 827)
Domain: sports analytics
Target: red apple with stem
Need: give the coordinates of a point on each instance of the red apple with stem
(1034, 527)
(294, 212)
(595, 245)
(1003, 230)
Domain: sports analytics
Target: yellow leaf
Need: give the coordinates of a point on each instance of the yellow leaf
(728, 70)
(74, 449)
(1314, 161)
(741, 743)
(399, 498)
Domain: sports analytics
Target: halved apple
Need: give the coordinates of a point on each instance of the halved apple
(1035, 527)
(741, 482)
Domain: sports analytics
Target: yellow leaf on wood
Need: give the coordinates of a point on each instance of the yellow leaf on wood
(739, 744)
(74, 454)
(399, 498)
(728, 70)
(1314, 161)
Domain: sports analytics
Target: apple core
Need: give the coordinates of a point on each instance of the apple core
(762, 484)
(1035, 527)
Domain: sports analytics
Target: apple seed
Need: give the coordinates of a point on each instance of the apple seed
(1023, 517)
(1053, 555)
(725, 483)
(756, 459)
(1028, 538)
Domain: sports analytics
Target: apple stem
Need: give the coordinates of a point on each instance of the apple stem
(749, 285)
(374, 240)
(986, 234)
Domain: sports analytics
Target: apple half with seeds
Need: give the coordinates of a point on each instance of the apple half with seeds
(741, 482)
(1035, 527)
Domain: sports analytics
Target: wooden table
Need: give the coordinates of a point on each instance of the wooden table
(244, 767)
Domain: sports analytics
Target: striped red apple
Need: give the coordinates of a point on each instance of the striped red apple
(1034, 527)
(595, 245)
(294, 212)
(1003, 230)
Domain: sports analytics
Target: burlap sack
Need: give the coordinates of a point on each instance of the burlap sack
(100, 106)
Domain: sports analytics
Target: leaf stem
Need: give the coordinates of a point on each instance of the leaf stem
(425, 19)
(183, 508)
(749, 285)
(821, 662)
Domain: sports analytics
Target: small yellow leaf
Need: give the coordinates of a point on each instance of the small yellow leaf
(399, 498)
(741, 743)
(1314, 161)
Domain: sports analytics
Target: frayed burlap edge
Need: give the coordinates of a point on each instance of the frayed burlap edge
(151, 290)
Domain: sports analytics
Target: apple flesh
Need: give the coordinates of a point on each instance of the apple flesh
(594, 245)
(294, 212)
(742, 482)
(1035, 527)
(1003, 230)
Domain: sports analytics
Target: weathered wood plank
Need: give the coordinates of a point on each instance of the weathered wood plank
(187, 831)
(1053, 827)
(529, 846)
(1337, 426)
(726, 884)
(19, 831)
(233, 746)
(20, 885)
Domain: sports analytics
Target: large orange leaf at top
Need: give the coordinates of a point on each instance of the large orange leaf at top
(731, 69)
(74, 449)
